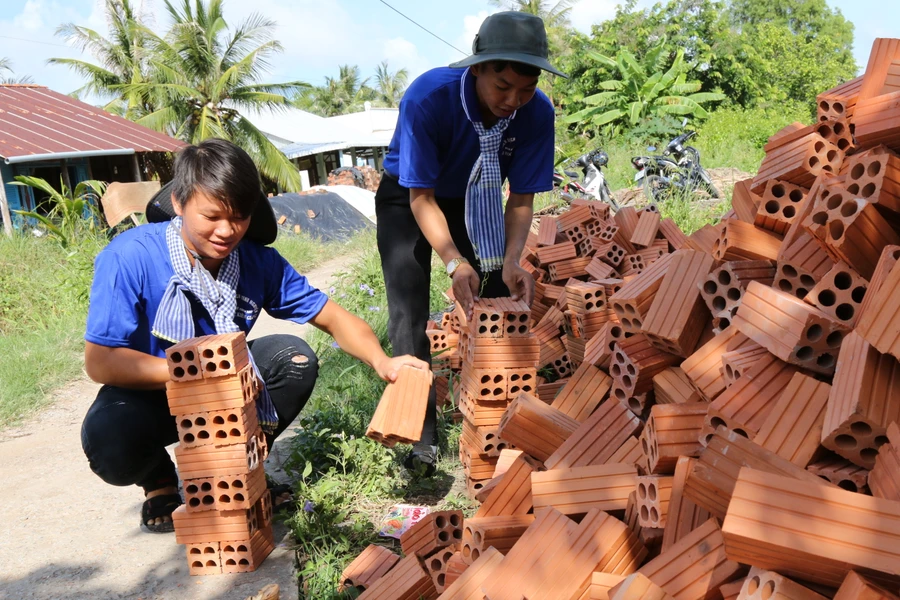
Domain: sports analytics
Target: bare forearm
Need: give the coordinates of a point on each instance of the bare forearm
(433, 223)
(124, 367)
(357, 339)
(519, 212)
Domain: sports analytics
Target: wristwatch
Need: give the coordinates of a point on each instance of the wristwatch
(453, 265)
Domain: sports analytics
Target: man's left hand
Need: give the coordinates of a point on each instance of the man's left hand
(519, 281)
(389, 367)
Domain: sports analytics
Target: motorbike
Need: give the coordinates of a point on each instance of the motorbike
(594, 184)
(677, 170)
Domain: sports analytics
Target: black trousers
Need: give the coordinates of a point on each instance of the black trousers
(125, 432)
(406, 264)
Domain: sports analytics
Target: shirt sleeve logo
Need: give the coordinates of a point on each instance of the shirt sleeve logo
(509, 145)
(247, 309)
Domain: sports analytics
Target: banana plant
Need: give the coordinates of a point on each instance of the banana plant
(72, 211)
(643, 89)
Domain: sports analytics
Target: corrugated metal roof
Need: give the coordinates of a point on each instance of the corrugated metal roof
(35, 120)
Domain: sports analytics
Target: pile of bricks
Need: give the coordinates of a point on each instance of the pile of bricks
(714, 415)
(226, 519)
(365, 177)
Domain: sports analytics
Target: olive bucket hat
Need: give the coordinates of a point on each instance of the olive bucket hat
(513, 36)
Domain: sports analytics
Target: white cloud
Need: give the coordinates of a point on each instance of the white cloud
(589, 12)
(30, 19)
(403, 54)
(471, 25)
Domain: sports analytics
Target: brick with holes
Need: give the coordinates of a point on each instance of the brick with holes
(801, 264)
(737, 240)
(746, 404)
(632, 302)
(838, 102)
(184, 361)
(789, 328)
(204, 558)
(634, 363)
(586, 389)
(233, 459)
(220, 428)
(599, 439)
(214, 526)
(761, 584)
(798, 157)
(500, 532)
(857, 587)
(841, 472)
(436, 530)
(779, 206)
(672, 431)
(408, 580)
(206, 395)
(576, 490)
(710, 483)
(653, 494)
(864, 401)
(534, 427)
(222, 354)
(245, 557)
(884, 479)
(371, 564)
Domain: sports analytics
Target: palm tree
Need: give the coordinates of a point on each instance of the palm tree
(344, 94)
(556, 15)
(6, 66)
(390, 86)
(643, 90)
(122, 57)
(201, 75)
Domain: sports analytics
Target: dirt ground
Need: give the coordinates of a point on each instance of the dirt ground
(67, 534)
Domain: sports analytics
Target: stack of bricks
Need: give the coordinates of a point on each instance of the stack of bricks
(226, 519)
(718, 414)
(499, 360)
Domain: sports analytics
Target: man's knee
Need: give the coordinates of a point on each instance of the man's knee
(285, 356)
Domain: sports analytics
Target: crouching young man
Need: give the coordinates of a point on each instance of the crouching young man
(196, 275)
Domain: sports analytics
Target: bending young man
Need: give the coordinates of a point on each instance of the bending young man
(462, 131)
(195, 275)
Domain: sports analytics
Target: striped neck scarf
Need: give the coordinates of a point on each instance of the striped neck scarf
(484, 194)
(174, 320)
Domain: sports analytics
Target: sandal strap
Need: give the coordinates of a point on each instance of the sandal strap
(160, 506)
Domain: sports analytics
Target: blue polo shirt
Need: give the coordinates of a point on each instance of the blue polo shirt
(132, 272)
(435, 145)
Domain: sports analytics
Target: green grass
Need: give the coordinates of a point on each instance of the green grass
(43, 304)
(44, 293)
(346, 480)
(305, 252)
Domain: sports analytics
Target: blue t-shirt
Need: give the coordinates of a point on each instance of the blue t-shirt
(436, 146)
(131, 274)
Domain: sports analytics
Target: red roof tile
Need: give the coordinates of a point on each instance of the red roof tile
(35, 120)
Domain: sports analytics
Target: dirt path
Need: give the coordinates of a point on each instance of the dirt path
(67, 534)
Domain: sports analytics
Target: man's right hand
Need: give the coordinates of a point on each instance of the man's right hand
(465, 287)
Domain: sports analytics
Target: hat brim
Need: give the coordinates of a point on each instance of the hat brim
(519, 57)
(263, 228)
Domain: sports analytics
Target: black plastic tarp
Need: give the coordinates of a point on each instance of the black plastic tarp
(322, 215)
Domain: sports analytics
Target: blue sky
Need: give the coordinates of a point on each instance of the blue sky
(319, 35)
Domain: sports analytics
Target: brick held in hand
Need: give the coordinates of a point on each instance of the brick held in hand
(400, 414)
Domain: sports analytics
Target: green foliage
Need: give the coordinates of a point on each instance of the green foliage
(43, 301)
(643, 90)
(756, 52)
(196, 81)
(346, 480)
(348, 92)
(72, 213)
(6, 66)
